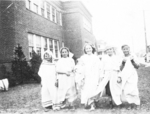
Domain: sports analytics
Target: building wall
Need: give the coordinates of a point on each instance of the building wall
(7, 29)
(75, 34)
(17, 21)
(72, 33)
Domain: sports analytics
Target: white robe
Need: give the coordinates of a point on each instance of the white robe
(47, 72)
(110, 68)
(90, 65)
(130, 92)
(66, 84)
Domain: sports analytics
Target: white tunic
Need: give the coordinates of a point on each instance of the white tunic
(66, 84)
(47, 72)
(130, 92)
(91, 66)
(110, 73)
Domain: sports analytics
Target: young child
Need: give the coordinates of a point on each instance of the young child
(47, 72)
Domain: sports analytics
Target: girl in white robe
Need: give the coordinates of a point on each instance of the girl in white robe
(66, 91)
(47, 72)
(110, 75)
(90, 69)
(129, 76)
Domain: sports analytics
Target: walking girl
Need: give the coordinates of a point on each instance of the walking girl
(90, 66)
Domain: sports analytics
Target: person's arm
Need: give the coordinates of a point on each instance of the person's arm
(134, 64)
(122, 65)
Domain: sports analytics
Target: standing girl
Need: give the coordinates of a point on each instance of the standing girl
(130, 92)
(66, 91)
(47, 72)
(110, 73)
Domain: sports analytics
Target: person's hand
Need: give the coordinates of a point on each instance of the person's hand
(131, 58)
(68, 73)
(124, 60)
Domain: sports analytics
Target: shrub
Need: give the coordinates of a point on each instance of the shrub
(20, 69)
(35, 64)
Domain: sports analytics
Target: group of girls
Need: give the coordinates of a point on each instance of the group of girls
(112, 76)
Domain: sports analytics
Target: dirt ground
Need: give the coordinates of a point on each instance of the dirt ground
(25, 99)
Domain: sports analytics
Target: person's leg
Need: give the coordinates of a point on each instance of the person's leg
(93, 106)
(108, 93)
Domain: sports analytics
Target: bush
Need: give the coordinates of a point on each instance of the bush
(35, 64)
(20, 69)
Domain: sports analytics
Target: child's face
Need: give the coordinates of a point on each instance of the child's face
(126, 50)
(110, 51)
(88, 49)
(64, 53)
(48, 57)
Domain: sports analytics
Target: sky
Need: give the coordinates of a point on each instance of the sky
(121, 22)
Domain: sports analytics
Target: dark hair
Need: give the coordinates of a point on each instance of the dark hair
(124, 46)
(93, 49)
(65, 49)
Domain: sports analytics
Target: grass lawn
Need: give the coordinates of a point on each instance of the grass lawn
(25, 99)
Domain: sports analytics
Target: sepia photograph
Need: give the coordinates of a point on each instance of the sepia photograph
(74, 56)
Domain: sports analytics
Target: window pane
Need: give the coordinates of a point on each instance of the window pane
(51, 45)
(53, 14)
(38, 50)
(30, 51)
(28, 3)
(38, 41)
(42, 12)
(48, 7)
(45, 44)
(48, 15)
(30, 39)
(35, 8)
(56, 48)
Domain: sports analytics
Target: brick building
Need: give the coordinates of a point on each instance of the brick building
(43, 24)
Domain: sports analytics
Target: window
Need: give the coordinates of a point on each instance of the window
(53, 14)
(48, 10)
(51, 45)
(28, 4)
(56, 48)
(35, 8)
(42, 8)
(57, 17)
(62, 44)
(60, 19)
(38, 45)
(45, 44)
(31, 45)
(42, 12)
(86, 24)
